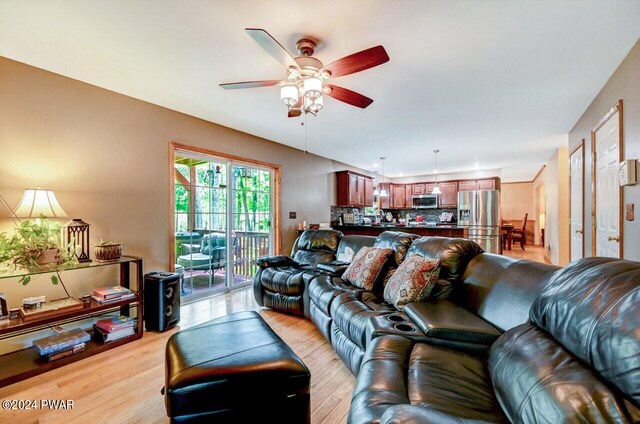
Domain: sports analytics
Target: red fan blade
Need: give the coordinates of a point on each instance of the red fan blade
(249, 84)
(296, 111)
(358, 62)
(272, 46)
(348, 96)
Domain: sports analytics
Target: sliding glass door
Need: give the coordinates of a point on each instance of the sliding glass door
(222, 218)
(250, 219)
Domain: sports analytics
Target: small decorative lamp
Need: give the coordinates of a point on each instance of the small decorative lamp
(37, 202)
(78, 233)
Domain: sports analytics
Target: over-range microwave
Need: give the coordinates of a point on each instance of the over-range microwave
(425, 201)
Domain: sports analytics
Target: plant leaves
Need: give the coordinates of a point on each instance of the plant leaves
(54, 280)
(25, 280)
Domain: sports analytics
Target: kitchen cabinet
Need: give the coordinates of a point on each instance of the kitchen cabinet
(486, 184)
(385, 202)
(417, 189)
(408, 195)
(368, 192)
(398, 196)
(467, 185)
(352, 189)
(449, 196)
(428, 188)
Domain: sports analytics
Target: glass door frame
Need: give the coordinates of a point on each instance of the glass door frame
(231, 164)
(233, 160)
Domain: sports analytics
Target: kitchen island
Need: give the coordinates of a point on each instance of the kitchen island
(449, 230)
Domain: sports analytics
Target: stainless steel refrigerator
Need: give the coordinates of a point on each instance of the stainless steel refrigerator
(479, 212)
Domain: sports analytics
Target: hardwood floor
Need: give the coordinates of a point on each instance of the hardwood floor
(533, 253)
(123, 385)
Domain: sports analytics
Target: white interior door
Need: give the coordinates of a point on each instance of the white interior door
(577, 205)
(607, 198)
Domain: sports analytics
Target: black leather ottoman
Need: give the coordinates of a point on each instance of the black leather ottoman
(234, 369)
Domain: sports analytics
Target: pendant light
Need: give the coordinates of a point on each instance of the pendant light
(436, 189)
(376, 192)
(383, 192)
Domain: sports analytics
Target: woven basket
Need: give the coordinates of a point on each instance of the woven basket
(108, 252)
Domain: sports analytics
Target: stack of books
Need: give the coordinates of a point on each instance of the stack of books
(112, 294)
(115, 328)
(62, 344)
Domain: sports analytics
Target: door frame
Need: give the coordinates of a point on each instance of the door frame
(579, 146)
(277, 191)
(616, 108)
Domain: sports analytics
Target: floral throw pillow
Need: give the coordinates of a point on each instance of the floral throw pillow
(412, 281)
(366, 266)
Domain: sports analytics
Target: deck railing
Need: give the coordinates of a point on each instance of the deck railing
(249, 246)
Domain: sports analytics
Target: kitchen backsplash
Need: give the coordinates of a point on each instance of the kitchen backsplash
(427, 214)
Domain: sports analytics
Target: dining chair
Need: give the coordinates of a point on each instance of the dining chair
(521, 234)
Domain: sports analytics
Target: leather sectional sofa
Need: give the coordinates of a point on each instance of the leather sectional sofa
(499, 340)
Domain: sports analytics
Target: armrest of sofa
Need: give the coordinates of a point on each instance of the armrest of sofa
(445, 320)
(274, 261)
(333, 268)
(414, 414)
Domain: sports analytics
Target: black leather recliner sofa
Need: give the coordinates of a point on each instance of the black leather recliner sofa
(477, 351)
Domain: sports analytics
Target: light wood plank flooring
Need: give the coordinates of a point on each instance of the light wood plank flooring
(533, 253)
(123, 385)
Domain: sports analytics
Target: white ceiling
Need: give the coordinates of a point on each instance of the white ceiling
(492, 84)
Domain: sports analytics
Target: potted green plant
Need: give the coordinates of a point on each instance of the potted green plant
(6, 248)
(39, 244)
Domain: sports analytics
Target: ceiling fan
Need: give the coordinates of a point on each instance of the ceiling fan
(307, 77)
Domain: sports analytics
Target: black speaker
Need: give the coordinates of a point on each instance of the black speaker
(161, 308)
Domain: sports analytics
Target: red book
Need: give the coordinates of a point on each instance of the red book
(116, 323)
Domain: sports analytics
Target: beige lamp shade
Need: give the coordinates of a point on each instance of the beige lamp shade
(36, 202)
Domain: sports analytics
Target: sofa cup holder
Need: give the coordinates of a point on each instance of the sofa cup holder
(405, 328)
(396, 318)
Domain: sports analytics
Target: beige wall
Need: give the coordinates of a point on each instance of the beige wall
(516, 199)
(106, 157)
(624, 85)
(556, 186)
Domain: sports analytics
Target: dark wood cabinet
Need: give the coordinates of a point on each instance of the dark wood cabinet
(385, 202)
(368, 192)
(486, 184)
(466, 185)
(428, 188)
(352, 189)
(449, 196)
(398, 196)
(417, 189)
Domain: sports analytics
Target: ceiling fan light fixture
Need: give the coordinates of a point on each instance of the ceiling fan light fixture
(289, 95)
(315, 105)
(312, 88)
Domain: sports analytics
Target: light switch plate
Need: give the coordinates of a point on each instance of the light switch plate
(630, 214)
